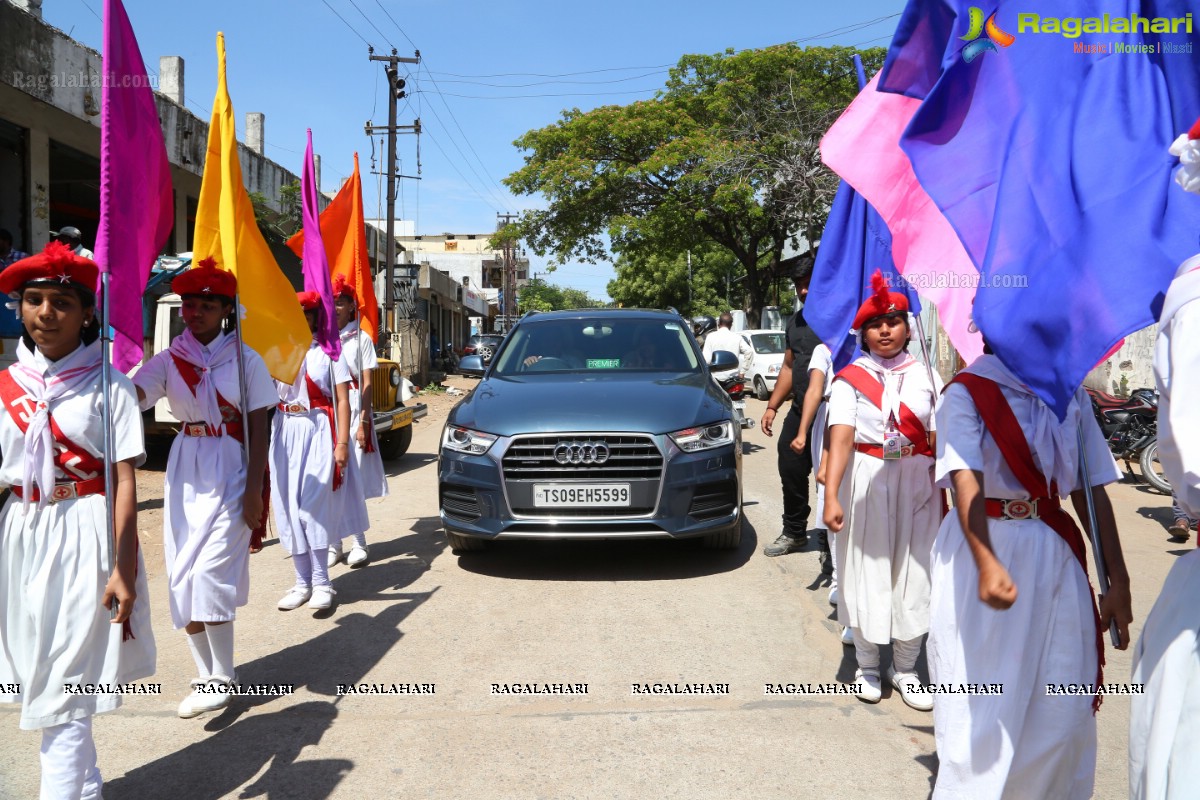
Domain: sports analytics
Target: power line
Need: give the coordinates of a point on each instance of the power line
(545, 83)
(470, 185)
(347, 24)
(482, 182)
(553, 74)
(372, 24)
(566, 94)
(397, 24)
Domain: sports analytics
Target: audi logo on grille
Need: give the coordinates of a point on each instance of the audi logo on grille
(581, 453)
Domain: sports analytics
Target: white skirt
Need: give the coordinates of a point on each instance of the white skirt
(1164, 723)
(369, 465)
(206, 540)
(1021, 743)
(891, 518)
(815, 443)
(53, 630)
(306, 506)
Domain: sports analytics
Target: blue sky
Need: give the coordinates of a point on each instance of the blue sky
(303, 66)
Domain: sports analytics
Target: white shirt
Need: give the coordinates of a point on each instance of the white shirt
(822, 360)
(1177, 373)
(964, 443)
(848, 407)
(159, 377)
(316, 366)
(726, 339)
(83, 252)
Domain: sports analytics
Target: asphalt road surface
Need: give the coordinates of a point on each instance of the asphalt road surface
(543, 670)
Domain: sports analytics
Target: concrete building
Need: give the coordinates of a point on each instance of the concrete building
(50, 89)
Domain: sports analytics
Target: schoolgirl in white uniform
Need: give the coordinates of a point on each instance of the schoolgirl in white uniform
(74, 606)
(309, 451)
(213, 499)
(364, 475)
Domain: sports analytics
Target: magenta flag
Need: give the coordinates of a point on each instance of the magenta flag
(315, 265)
(136, 203)
(863, 147)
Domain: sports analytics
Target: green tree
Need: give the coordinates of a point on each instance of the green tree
(727, 153)
(659, 281)
(539, 295)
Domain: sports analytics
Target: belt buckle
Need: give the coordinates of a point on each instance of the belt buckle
(195, 429)
(1020, 509)
(63, 491)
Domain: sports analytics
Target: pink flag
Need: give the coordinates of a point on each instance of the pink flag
(863, 147)
(136, 205)
(314, 262)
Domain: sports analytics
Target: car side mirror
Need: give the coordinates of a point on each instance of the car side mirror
(471, 365)
(723, 360)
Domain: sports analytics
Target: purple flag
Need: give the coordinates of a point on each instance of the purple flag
(315, 264)
(1047, 153)
(136, 204)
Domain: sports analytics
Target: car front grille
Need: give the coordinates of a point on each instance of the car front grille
(630, 457)
(460, 502)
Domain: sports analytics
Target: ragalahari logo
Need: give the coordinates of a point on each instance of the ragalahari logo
(994, 35)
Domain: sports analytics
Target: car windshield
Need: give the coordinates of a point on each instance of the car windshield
(768, 343)
(598, 345)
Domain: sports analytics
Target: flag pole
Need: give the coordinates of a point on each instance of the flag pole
(241, 362)
(1094, 531)
(106, 420)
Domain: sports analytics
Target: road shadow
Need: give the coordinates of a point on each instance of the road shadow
(409, 462)
(395, 563)
(607, 560)
(1163, 515)
(751, 447)
(929, 761)
(240, 748)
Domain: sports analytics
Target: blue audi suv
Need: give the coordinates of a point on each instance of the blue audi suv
(593, 424)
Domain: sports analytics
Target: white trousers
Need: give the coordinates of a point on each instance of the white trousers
(69, 770)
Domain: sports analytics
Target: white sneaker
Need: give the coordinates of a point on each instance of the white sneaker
(833, 595)
(322, 598)
(295, 597)
(911, 691)
(358, 556)
(335, 554)
(848, 636)
(207, 695)
(869, 687)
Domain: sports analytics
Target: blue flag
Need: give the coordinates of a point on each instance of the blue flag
(855, 243)
(1048, 154)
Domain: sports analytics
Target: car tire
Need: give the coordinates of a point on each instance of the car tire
(394, 444)
(728, 539)
(1152, 471)
(760, 388)
(459, 543)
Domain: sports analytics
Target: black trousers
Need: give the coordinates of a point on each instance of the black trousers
(794, 472)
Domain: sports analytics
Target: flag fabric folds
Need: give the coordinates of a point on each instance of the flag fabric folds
(1050, 160)
(315, 267)
(855, 243)
(863, 147)
(343, 229)
(136, 204)
(273, 325)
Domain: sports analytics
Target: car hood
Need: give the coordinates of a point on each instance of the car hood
(663, 403)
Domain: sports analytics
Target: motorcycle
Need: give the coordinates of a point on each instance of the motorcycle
(735, 385)
(1131, 428)
(449, 359)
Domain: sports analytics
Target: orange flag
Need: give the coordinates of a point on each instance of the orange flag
(343, 228)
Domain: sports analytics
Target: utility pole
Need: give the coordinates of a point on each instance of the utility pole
(395, 92)
(509, 281)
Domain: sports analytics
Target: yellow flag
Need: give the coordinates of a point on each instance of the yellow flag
(274, 325)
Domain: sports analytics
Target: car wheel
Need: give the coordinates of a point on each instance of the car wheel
(1152, 470)
(760, 388)
(727, 539)
(485, 352)
(394, 444)
(459, 543)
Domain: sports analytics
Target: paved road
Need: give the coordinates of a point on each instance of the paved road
(608, 615)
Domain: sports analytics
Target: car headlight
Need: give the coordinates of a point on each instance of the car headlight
(394, 376)
(704, 437)
(465, 440)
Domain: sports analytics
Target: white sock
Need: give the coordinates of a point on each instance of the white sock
(360, 539)
(302, 562)
(904, 654)
(199, 645)
(866, 652)
(320, 566)
(68, 759)
(220, 638)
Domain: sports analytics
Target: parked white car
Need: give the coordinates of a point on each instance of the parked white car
(768, 346)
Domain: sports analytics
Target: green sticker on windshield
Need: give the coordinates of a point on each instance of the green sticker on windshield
(603, 363)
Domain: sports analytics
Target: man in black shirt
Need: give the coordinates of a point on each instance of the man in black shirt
(794, 468)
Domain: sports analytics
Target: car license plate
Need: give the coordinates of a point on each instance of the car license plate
(581, 495)
(740, 405)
